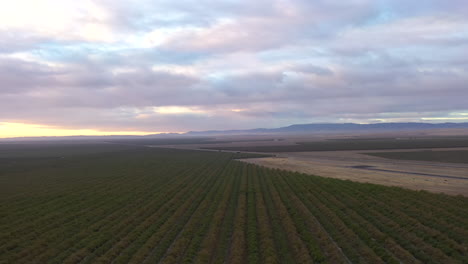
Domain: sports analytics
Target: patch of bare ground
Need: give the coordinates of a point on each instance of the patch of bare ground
(436, 177)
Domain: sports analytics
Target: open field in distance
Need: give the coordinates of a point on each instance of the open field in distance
(356, 144)
(450, 178)
(330, 160)
(455, 156)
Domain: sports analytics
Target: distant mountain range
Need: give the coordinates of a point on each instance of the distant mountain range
(292, 129)
(327, 127)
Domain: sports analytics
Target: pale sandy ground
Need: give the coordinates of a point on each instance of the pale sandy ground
(338, 164)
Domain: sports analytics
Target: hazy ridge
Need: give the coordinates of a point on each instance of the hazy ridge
(292, 129)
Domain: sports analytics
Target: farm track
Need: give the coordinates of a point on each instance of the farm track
(154, 205)
(372, 168)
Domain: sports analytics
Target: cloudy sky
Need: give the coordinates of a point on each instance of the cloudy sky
(135, 67)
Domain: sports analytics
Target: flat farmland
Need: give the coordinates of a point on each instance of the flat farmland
(120, 204)
(341, 144)
(363, 166)
(452, 156)
(410, 161)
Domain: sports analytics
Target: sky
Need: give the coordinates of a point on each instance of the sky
(138, 67)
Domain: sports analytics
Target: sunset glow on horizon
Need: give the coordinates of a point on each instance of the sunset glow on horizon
(13, 130)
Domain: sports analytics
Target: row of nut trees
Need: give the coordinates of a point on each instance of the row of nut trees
(167, 206)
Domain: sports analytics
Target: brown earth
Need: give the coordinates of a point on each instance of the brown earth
(447, 178)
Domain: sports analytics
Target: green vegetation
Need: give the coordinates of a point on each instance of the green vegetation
(168, 141)
(451, 156)
(181, 141)
(56, 149)
(360, 144)
(151, 205)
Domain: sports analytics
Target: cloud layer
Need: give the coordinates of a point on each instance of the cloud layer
(196, 65)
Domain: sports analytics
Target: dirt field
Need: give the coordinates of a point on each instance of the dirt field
(451, 156)
(450, 178)
(352, 165)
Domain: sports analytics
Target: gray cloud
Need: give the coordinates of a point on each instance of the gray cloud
(246, 62)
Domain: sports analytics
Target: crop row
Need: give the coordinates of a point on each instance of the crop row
(167, 206)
